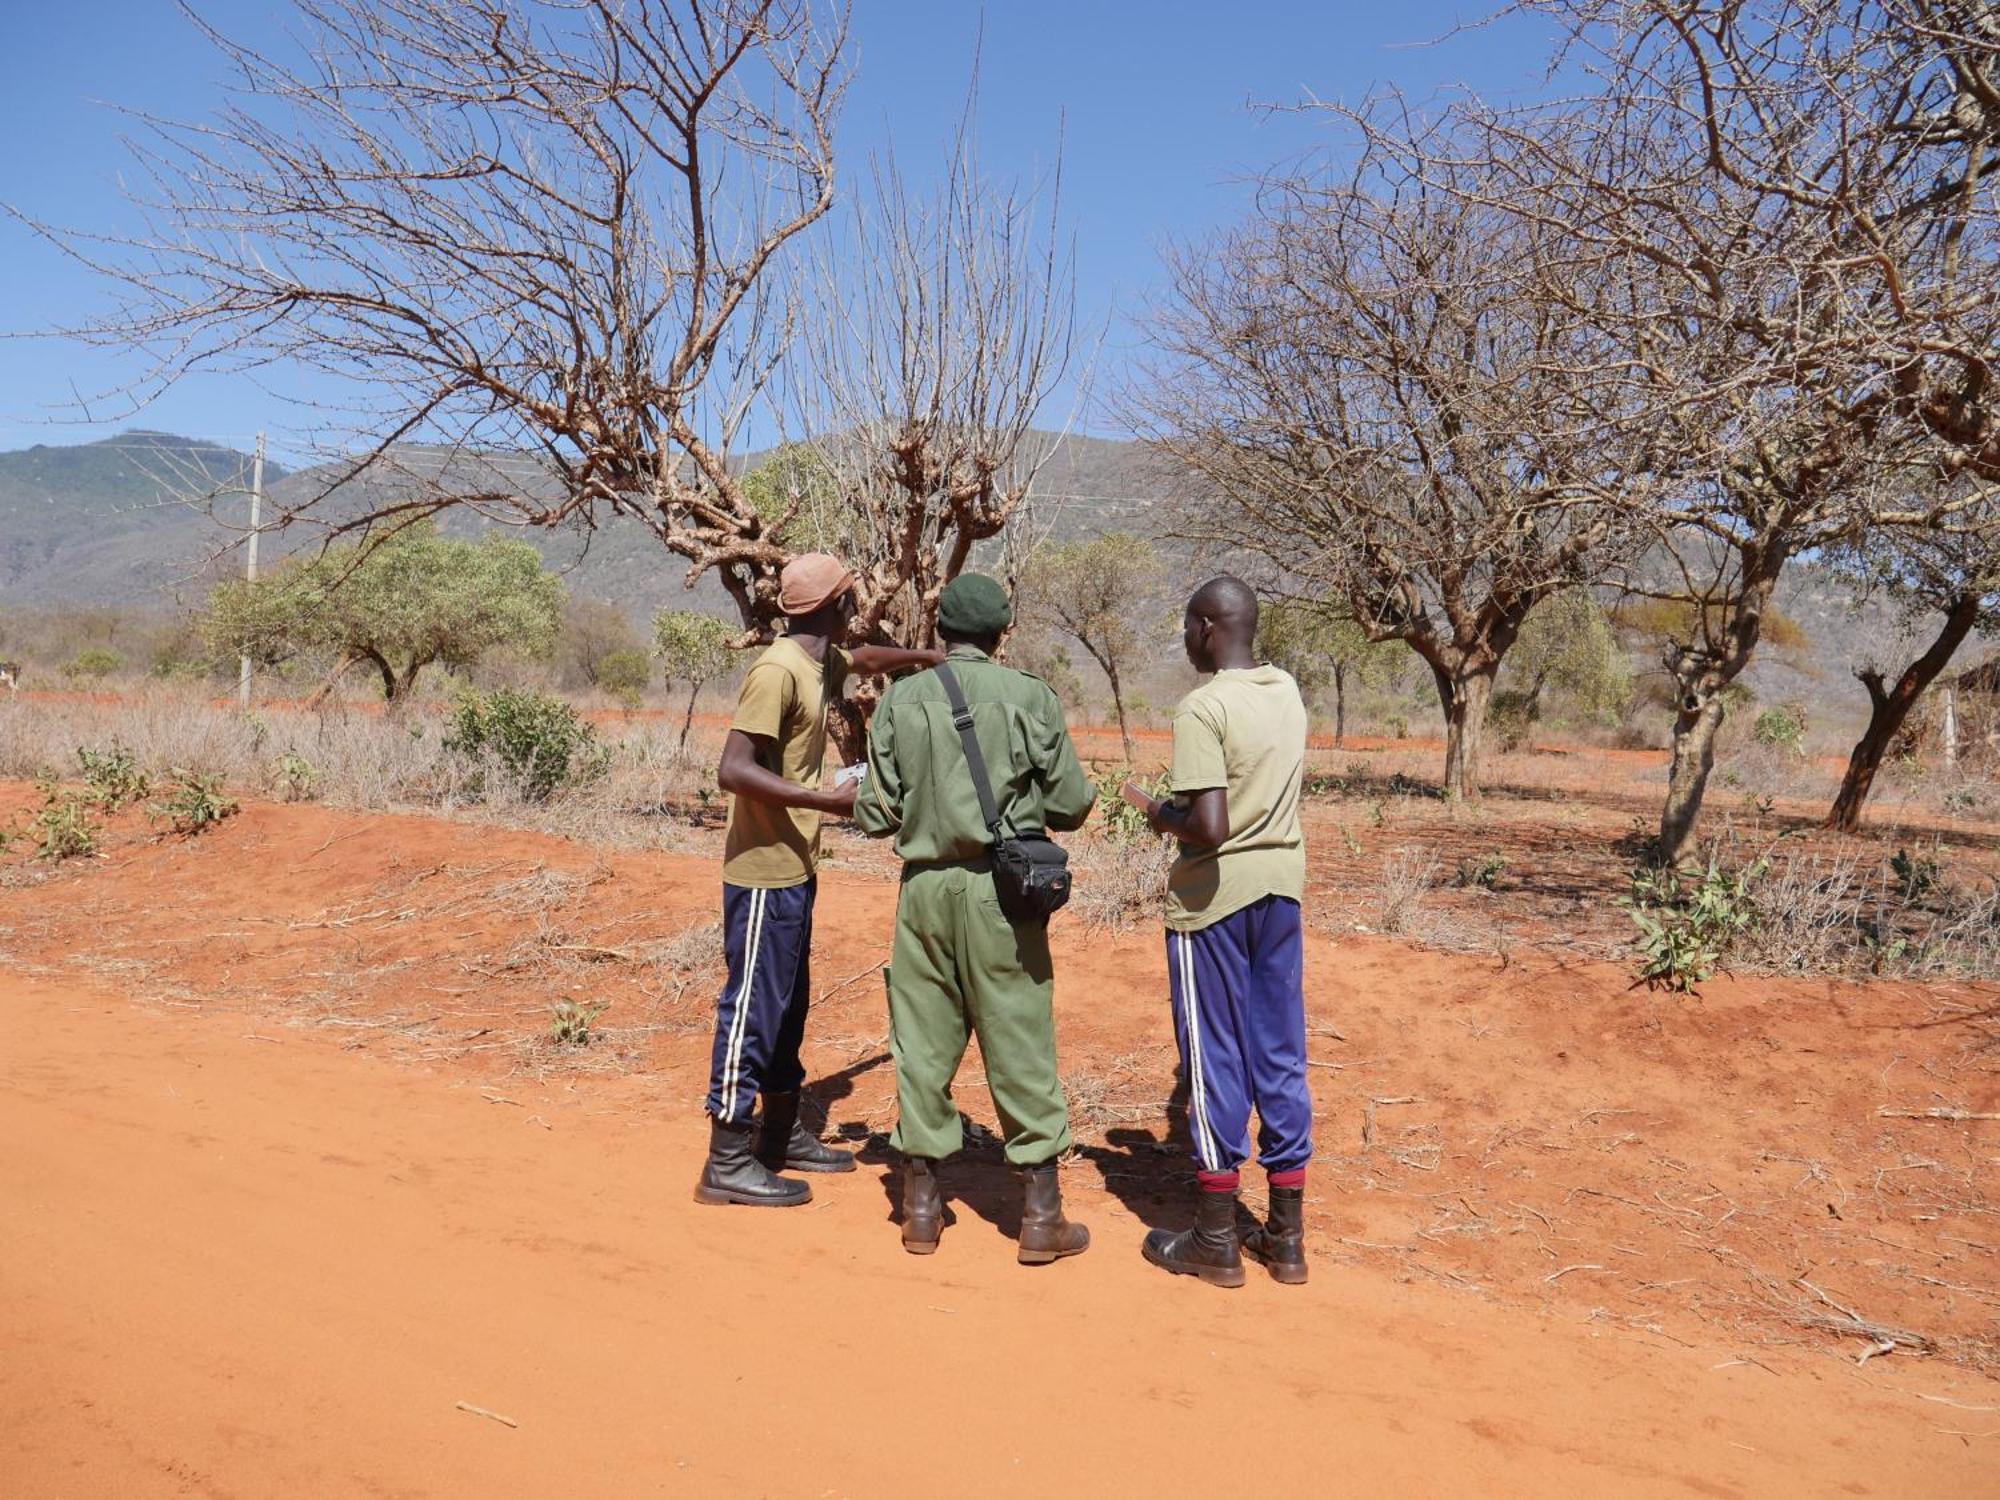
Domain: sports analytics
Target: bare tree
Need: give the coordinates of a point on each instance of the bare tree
(1383, 384)
(536, 236)
(934, 329)
(1802, 196)
(1947, 582)
(1093, 589)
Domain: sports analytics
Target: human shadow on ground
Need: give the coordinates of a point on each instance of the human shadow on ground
(825, 1092)
(1151, 1175)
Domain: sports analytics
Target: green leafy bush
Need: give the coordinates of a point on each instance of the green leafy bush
(1917, 875)
(1688, 922)
(295, 777)
(624, 675)
(541, 741)
(570, 1021)
(1781, 728)
(1118, 819)
(193, 803)
(93, 662)
(112, 777)
(62, 827)
(1482, 870)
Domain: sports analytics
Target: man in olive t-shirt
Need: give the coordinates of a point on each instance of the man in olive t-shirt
(1235, 965)
(772, 763)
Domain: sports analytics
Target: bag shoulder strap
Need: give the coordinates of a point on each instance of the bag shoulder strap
(975, 758)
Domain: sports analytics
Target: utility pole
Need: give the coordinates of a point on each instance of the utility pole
(250, 570)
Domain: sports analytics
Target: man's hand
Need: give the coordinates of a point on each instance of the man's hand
(838, 801)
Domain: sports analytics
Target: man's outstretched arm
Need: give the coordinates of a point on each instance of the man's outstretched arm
(742, 774)
(872, 661)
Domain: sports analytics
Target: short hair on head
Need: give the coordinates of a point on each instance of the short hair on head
(1225, 597)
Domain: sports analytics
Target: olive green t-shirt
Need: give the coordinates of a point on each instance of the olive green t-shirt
(1243, 730)
(783, 700)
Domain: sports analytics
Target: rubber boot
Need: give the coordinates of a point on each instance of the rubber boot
(923, 1206)
(1209, 1250)
(1280, 1246)
(1045, 1234)
(734, 1175)
(785, 1145)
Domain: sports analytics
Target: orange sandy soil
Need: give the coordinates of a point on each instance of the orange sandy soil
(293, 1171)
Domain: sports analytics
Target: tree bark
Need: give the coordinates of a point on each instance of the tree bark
(1464, 695)
(1889, 707)
(687, 722)
(1694, 757)
(1118, 704)
(1339, 704)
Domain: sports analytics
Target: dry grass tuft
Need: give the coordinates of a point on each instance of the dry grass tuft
(1119, 882)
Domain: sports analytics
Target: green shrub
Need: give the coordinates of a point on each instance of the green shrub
(542, 741)
(62, 827)
(1688, 923)
(1781, 728)
(570, 1021)
(625, 675)
(1118, 819)
(193, 803)
(295, 777)
(1482, 870)
(1917, 875)
(112, 777)
(93, 662)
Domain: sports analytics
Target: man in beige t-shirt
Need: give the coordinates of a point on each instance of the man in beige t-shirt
(772, 765)
(1235, 951)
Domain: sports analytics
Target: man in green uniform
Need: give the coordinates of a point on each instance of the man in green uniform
(959, 966)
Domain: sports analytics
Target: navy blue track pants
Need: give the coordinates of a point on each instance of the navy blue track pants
(1238, 989)
(761, 1017)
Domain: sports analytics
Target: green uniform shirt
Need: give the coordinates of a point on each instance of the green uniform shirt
(919, 787)
(1243, 730)
(783, 700)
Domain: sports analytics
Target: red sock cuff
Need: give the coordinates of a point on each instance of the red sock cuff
(1293, 1177)
(1219, 1182)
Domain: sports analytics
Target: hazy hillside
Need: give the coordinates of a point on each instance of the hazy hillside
(102, 524)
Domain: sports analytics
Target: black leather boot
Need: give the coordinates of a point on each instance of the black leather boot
(785, 1145)
(734, 1175)
(1209, 1250)
(1280, 1246)
(1045, 1234)
(923, 1206)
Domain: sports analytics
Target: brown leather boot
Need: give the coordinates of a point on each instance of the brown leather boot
(1280, 1246)
(1045, 1234)
(923, 1206)
(1209, 1250)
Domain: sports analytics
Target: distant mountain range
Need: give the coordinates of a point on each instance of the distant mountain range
(100, 524)
(105, 523)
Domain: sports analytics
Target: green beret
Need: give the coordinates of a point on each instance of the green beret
(975, 606)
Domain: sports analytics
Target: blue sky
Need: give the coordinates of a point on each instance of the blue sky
(1152, 104)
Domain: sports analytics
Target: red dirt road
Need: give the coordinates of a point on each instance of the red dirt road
(243, 1266)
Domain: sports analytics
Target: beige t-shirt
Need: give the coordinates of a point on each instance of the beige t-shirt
(1243, 730)
(783, 699)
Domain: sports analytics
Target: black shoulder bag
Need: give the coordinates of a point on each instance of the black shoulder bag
(1030, 870)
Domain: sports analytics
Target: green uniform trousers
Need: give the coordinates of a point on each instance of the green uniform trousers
(960, 968)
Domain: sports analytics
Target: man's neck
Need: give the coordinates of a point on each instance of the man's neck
(813, 643)
(1235, 659)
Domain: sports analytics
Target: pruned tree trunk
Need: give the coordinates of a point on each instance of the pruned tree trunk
(1889, 707)
(1464, 695)
(1339, 704)
(1694, 757)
